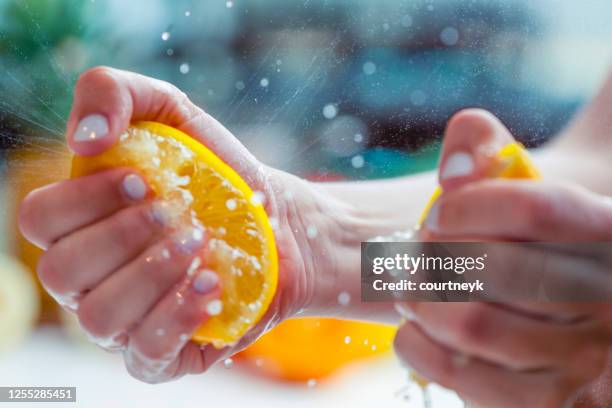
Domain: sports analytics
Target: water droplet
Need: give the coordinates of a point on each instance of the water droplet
(228, 363)
(358, 138)
(160, 332)
(184, 68)
(311, 383)
(373, 348)
(231, 204)
(288, 194)
(407, 21)
(357, 161)
(365, 342)
(214, 307)
(418, 97)
(187, 13)
(449, 36)
(264, 82)
(165, 253)
(180, 300)
(184, 337)
(170, 52)
(259, 362)
(229, 4)
(273, 223)
(330, 111)
(258, 198)
(165, 36)
(369, 68)
(385, 26)
(311, 231)
(240, 85)
(347, 340)
(344, 298)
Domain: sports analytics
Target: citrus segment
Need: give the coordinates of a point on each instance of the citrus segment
(512, 162)
(203, 191)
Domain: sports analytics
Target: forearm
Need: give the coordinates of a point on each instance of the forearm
(355, 212)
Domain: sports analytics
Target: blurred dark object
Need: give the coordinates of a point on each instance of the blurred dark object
(296, 74)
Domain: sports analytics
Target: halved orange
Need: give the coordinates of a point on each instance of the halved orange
(312, 349)
(205, 191)
(511, 162)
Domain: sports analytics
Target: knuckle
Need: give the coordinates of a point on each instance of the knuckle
(472, 325)
(29, 216)
(188, 318)
(537, 210)
(589, 362)
(98, 76)
(95, 318)
(149, 351)
(473, 120)
(132, 222)
(49, 272)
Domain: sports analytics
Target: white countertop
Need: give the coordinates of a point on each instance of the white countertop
(49, 358)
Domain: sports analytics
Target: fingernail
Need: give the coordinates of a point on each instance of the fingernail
(431, 222)
(205, 282)
(90, 128)
(405, 311)
(189, 239)
(457, 165)
(134, 187)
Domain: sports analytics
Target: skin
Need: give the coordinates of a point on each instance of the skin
(80, 223)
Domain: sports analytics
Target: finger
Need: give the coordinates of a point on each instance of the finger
(106, 100)
(503, 337)
(154, 348)
(50, 212)
(522, 210)
(80, 261)
(127, 295)
(471, 140)
(486, 384)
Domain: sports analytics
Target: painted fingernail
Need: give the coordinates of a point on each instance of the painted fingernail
(405, 311)
(431, 222)
(134, 187)
(189, 239)
(205, 282)
(457, 165)
(90, 128)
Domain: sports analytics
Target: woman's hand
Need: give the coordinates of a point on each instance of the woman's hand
(512, 354)
(103, 236)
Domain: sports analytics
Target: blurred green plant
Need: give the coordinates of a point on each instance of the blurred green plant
(41, 52)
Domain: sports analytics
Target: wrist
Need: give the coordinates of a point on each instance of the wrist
(335, 228)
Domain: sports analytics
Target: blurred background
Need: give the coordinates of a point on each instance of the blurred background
(327, 89)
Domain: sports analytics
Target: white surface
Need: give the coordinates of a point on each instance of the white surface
(50, 359)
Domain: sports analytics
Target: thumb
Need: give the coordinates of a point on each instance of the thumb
(472, 139)
(107, 100)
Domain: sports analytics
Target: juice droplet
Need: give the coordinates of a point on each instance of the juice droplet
(228, 363)
(214, 307)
